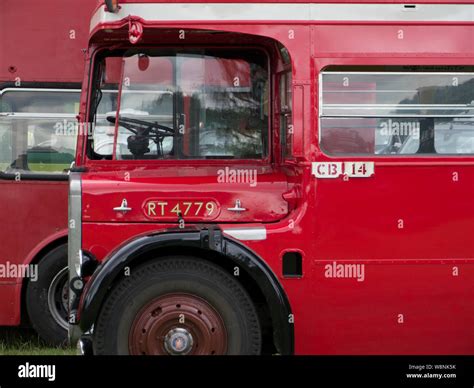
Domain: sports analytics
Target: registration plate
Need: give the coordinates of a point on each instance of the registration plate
(174, 209)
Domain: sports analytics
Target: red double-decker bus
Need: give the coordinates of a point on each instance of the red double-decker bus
(274, 177)
(42, 52)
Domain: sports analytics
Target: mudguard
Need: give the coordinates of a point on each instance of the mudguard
(210, 239)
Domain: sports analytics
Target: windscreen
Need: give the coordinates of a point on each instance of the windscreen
(200, 104)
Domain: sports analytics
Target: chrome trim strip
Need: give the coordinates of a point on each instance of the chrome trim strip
(23, 116)
(74, 223)
(386, 115)
(247, 234)
(400, 106)
(6, 90)
(75, 230)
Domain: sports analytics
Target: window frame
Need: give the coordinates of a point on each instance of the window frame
(385, 157)
(105, 163)
(39, 176)
(283, 114)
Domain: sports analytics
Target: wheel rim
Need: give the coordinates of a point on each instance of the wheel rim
(178, 324)
(58, 298)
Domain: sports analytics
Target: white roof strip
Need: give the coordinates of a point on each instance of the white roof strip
(199, 12)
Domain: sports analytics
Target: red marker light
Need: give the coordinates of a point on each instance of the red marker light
(112, 5)
(135, 31)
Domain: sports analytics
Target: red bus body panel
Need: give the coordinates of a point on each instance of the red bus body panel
(40, 43)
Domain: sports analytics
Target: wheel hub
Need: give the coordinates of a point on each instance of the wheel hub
(178, 341)
(58, 298)
(177, 324)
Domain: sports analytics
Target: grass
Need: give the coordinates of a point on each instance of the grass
(48, 167)
(25, 342)
(40, 167)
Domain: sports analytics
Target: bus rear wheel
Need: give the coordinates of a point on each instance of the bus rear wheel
(178, 306)
(47, 297)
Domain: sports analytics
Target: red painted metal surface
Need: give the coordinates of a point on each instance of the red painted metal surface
(40, 42)
(409, 301)
(51, 33)
(200, 186)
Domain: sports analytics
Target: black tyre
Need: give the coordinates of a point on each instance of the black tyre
(46, 298)
(178, 305)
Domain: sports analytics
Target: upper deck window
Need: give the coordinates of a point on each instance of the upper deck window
(412, 112)
(186, 104)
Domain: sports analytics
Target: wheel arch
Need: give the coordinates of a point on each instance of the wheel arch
(255, 275)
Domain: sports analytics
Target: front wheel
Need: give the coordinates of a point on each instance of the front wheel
(178, 306)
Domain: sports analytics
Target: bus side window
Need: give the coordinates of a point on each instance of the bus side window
(286, 116)
(38, 133)
(398, 111)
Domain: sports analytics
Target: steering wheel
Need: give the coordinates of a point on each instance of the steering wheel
(143, 132)
(141, 127)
